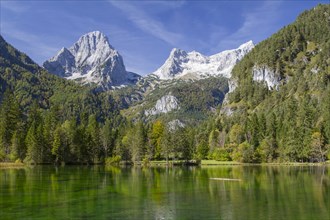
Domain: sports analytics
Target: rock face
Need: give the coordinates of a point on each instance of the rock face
(165, 104)
(63, 64)
(175, 124)
(232, 85)
(181, 64)
(265, 74)
(91, 60)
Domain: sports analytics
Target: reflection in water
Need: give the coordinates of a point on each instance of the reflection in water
(265, 192)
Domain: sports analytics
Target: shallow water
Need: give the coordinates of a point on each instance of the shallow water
(81, 192)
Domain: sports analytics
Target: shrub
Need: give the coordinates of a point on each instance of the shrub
(115, 160)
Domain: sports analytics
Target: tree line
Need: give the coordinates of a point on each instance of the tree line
(296, 131)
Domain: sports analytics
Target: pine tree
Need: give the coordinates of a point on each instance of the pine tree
(214, 140)
(318, 149)
(68, 130)
(155, 138)
(50, 123)
(166, 144)
(138, 142)
(56, 146)
(181, 144)
(10, 115)
(236, 134)
(93, 132)
(31, 142)
(15, 147)
(107, 138)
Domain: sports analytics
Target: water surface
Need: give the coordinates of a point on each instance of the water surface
(72, 192)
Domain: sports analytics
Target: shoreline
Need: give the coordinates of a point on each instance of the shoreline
(233, 163)
(203, 163)
(4, 165)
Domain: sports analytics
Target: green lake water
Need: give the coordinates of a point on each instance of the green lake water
(81, 192)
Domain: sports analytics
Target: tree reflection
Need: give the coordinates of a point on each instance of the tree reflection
(264, 192)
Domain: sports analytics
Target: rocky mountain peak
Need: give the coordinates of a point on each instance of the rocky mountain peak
(178, 53)
(91, 59)
(92, 47)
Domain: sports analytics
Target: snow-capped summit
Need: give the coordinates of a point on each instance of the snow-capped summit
(247, 46)
(194, 64)
(91, 60)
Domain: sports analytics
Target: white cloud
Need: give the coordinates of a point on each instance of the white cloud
(14, 6)
(80, 24)
(34, 44)
(147, 23)
(258, 24)
(173, 4)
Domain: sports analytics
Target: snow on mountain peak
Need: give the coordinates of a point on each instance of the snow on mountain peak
(178, 53)
(247, 45)
(194, 64)
(90, 60)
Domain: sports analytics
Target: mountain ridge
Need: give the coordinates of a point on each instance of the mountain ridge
(181, 63)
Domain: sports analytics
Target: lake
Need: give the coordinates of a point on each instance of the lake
(82, 192)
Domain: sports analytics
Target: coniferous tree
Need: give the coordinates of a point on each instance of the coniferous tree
(156, 137)
(32, 144)
(56, 146)
(10, 116)
(318, 150)
(166, 144)
(107, 139)
(93, 134)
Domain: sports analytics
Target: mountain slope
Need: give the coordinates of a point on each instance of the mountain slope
(47, 119)
(91, 60)
(278, 108)
(189, 86)
(30, 83)
(190, 101)
(181, 64)
(299, 51)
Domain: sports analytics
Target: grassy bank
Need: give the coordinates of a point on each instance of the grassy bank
(11, 165)
(215, 162)
(172, 163)
(296, 164)
(162, 163)
(219, 163)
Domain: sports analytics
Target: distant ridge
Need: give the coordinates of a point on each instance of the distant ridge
(194, 64)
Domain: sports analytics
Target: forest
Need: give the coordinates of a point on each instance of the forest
(45, 119)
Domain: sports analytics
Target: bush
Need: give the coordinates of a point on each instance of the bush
(145, 162)
(115, 160)
(202, 151)
(18, 161)
(221, 154)
(2, 156)
(245, 153)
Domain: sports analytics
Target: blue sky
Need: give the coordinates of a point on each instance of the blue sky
(144, 32)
